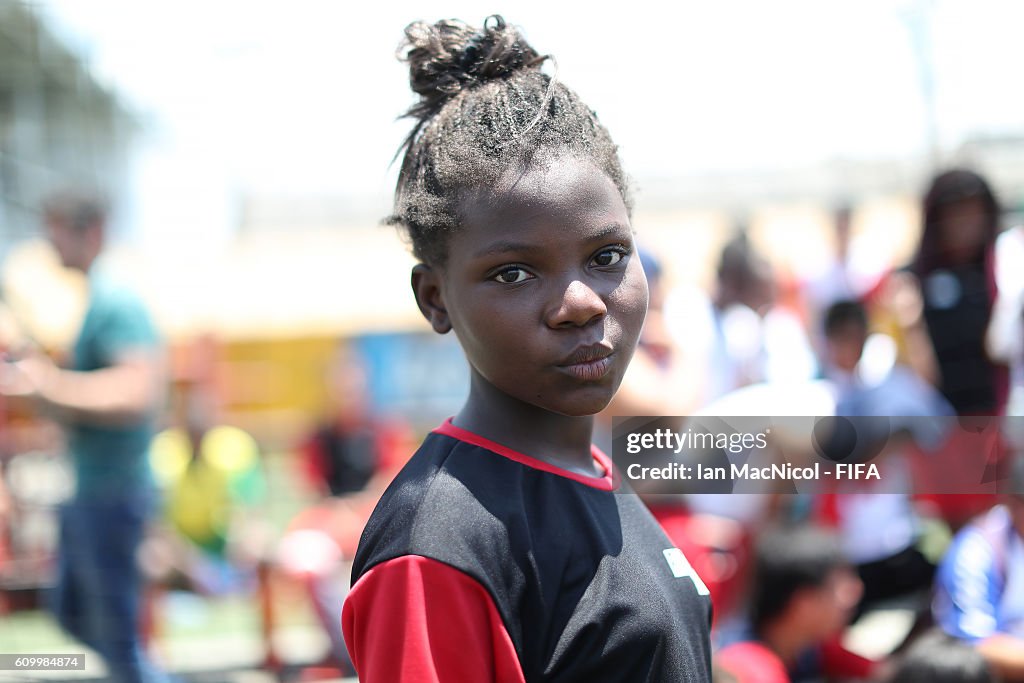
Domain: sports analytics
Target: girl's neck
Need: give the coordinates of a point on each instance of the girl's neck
(559, 440)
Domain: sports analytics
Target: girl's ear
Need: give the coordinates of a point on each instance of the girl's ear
(426, 286)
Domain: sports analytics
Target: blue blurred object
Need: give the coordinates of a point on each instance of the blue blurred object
(421, 376)
(651, 264)
(907, 403)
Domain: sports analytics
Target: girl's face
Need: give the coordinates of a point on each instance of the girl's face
(543, 288)
(962, 229)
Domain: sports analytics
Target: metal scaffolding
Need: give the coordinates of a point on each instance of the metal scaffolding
(58, 125)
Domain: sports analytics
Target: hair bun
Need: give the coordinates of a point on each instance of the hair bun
(448, 56)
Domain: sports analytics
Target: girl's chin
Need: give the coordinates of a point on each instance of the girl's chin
(578, 401)
(581, 408)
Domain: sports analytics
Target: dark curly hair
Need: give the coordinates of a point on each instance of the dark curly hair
(948, 188)
(485, 108)
(786, 561)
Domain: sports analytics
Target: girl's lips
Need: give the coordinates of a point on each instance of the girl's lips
(587, 354)
(589, 370)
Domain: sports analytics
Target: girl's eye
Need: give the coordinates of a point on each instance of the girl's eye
(512, 275)
(608, 257)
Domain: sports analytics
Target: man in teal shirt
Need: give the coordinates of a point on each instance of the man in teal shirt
(107, 402)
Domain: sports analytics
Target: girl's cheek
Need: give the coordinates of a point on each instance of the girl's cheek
(630, 299)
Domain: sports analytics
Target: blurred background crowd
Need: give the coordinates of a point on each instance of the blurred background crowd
(829, 205)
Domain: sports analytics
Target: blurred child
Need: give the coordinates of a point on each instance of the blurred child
(979, 589)
(888, 562)
(211, 478)
(741, 334)
(804, 593)
(349, 458)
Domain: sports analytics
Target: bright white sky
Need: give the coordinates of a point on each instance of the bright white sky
(300, 98)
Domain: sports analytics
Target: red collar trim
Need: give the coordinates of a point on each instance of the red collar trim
(605, 482)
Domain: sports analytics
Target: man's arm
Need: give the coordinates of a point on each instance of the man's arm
(121, 394)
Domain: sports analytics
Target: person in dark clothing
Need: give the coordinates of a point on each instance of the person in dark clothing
(954, 270)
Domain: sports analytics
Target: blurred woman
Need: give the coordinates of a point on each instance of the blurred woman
(953, 271)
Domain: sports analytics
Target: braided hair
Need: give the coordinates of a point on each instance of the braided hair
(484, 108)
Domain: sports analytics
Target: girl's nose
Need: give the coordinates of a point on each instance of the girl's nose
(577, 306)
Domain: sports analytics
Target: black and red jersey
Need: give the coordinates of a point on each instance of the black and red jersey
(484, 564)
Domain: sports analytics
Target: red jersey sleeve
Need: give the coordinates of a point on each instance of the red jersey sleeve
(752, 662)
(837, 661)
(417, 620)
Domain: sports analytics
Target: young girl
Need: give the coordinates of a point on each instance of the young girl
(504, 550)
(953, 286)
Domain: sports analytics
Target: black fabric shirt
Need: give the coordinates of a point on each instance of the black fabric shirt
(588, 586)
(957, 308)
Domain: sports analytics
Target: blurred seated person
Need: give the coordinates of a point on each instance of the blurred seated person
(878, 524)
(863, 371)
(349, 459)
(211, 479)
(979, 589)
(351, 456)
(803, 595)
(740, 335)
